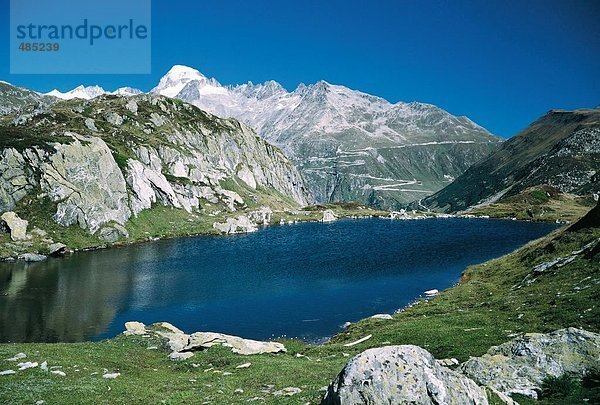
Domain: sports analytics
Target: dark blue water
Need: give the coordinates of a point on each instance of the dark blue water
(300, 281)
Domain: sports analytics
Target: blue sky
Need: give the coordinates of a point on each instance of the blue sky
(501, 63)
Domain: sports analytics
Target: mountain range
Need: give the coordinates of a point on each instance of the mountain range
(348, 145)
(89, 92)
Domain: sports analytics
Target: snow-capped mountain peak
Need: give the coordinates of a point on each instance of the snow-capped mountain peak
(126, 91)
(177, 78)
(86, 93)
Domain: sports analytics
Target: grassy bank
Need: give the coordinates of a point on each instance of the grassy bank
(494, 302)
(542, 203)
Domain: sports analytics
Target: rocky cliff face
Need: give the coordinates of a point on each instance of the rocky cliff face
(560, 150)
(13, 98)
(101, 162)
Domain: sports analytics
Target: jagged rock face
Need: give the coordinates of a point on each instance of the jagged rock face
(85, 180)
(400, 375)
(561, 149)
(520, 366)
(350, 146)
(103, 161)
(16, 177)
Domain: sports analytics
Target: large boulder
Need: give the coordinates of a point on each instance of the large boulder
(17, 226)
(261, 216)
(134, 328)
(400, 375)
(520, 366)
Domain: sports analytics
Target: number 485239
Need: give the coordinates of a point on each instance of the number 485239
(39, 46)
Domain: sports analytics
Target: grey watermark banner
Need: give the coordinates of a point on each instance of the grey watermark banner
(80, 36)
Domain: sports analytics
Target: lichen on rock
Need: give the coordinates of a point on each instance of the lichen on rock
(399, 375)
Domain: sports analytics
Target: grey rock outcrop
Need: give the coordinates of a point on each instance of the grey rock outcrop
(205, 340)
(113, 233)
(16, 225)
(183, 345)
(32, 257)
(57, 249)
(241, 224)
(86, 182)
(16, 178)
(400, 375)
(520, 366)
(261, 216)
(328, 216)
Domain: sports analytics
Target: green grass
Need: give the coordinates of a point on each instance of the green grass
(493, 303)
(161, 222)
(148, 376)
(567, 390)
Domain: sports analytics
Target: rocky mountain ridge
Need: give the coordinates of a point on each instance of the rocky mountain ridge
(13, 99)
(90, 92)
(96, 164)
(560, 150)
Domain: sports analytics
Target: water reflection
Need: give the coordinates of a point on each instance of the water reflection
(45, 302)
